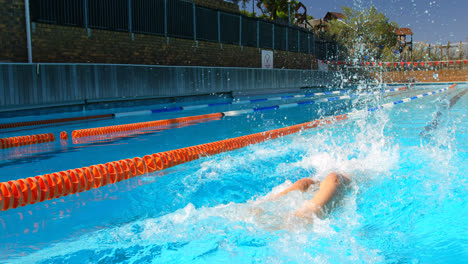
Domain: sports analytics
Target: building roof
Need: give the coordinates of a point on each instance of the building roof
(403, 32)
(333, 15)
(316, 22)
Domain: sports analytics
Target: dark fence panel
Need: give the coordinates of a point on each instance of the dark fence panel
(68, 13)
(312, 43)
(249, 32)
(207, 24)
(179, 19)
(266, 35)
(304, 42)
(321, 49)
(108, 14)
(333, 50)
(280, 37)
(176, 18)
(229, 28)
(292, 39)
(148, 16)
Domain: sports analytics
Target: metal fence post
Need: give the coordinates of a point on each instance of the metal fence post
(273, 36)
(258, 33)
(165, 18)
(326, 50)
(130, 19)
(287, 41)
(85, 3)
(298, 41)
(194, 22)
(240, 30)
(219, 26)
(313, 46)
(308, 43)
(28, 30)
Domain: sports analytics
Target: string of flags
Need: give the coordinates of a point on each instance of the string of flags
(394, 64)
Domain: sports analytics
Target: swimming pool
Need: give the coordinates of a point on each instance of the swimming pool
(406, 204)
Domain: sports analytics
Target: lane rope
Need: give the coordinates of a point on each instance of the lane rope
(234, 102)
(134, 128)
(53, 121)
(323, 100)
(150, 130)
(13, 142)
(395, 64)
(22, 192)
(138, 126)
(362, 112)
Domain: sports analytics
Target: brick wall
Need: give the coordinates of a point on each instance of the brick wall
(52, 43)
(13, 46)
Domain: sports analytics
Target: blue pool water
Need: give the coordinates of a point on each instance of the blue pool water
(406, 204)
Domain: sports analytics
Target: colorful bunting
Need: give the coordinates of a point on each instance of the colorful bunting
(395, 64)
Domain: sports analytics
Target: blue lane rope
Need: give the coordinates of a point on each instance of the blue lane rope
(235, 102)
(360, 113)
(323, 100)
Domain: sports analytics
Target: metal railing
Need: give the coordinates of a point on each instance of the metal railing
(181, 19)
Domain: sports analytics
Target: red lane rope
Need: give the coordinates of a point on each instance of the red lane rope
(138, 126)
(394, 64)
(36, 189)
(124, 134)
(53, 121)
(13, 142)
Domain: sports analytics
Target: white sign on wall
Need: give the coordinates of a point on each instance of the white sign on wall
(267, 59)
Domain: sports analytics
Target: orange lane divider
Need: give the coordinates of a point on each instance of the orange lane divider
(63, 135)
(54, 121)
(138, 126)
(16, 193)
(124, 134)
(12, 142)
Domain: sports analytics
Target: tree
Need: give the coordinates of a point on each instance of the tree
(280, 9)
(365, 34)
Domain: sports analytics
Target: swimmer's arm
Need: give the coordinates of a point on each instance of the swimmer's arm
(328, 189)
(300, 185)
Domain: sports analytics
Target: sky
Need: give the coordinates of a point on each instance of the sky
(433, 21)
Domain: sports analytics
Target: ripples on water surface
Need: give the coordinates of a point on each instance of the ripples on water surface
(407, 203)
